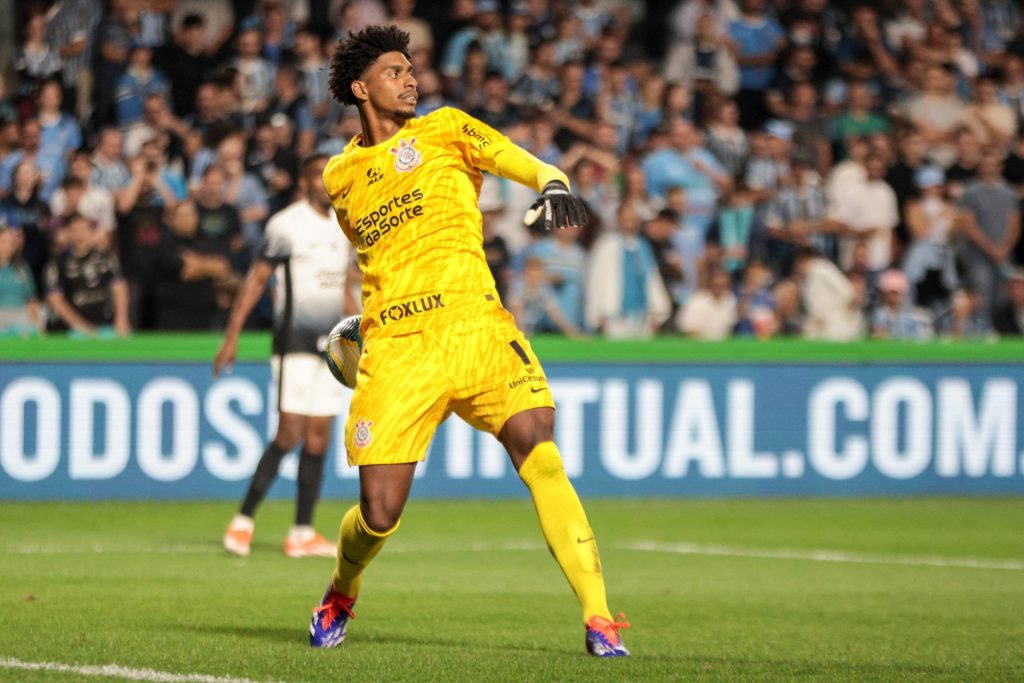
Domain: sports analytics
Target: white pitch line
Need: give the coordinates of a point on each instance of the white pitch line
(100, 549)
(117, 671)
(817, 555)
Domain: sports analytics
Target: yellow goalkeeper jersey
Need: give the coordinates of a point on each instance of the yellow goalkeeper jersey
(409, 205)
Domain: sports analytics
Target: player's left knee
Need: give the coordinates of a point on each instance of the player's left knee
(526, 430)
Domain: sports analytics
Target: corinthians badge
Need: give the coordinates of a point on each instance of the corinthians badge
(407, 157)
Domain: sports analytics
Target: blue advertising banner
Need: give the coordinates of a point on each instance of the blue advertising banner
(124, 430)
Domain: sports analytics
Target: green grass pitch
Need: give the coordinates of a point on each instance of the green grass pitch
(739, 590)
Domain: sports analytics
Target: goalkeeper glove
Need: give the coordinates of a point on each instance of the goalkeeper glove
(557, 208)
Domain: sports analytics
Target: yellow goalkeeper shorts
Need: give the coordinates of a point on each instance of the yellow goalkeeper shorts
(483, 369)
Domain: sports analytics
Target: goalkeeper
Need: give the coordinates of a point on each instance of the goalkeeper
(436, 337)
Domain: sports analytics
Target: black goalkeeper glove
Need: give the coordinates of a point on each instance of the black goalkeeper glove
(557, 208)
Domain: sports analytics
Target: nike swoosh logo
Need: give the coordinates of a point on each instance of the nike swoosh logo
(537, 391)
(584, 540)
(344, 193)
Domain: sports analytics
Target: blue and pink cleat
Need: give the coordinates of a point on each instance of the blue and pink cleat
(330, 619)
(603, 636)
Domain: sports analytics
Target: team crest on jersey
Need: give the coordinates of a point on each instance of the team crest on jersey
(363, 435)
(407, 157)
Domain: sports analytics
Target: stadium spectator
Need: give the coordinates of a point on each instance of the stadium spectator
(755, 302)
(275, 165)
(538, 87)
(902, 177)
(868, 214)
(932, 222)
(798, 217)
(242, 190)
(735, 228)
(992, 229)
(137, 82)
(725, 139)
(1009, 318)
(685, 163)
(789, 318)
(757, 41)
(96, 203)
(799, 65)
(217, 18)
(158, 122)
(36, 62)
(187, 268)
(768, 166)
(533, 303)
(810, 128)
(185, 64)
(493, 108)
(151, 182)
(420, 35)
(859, 117)
(906, 27)
(936, 113)
(831, 301)
(71, 31)
(710, 313)
(290, 101)
(658, 232)
(84, 287)
(705, 66)
(499, 258)
(685, 18)
(255, 74)
(49, 163)
(485, 31)
(312, 66)
(24, 209)
(991, 121)
(965, 168)
(625, 296)
(517, 41)
(964, 318)
(59, 133)
(564, 264)
(220, 221)
(19, 304)
(109, 169)
(893, 317)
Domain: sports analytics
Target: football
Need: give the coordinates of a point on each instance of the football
(344, 346)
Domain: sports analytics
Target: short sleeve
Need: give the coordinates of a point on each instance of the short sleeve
(276, 246)
(52, 279)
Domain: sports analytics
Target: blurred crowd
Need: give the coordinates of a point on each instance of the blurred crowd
(827, 170)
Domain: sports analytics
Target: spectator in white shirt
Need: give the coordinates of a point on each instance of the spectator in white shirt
(710, 314)
(868, 213)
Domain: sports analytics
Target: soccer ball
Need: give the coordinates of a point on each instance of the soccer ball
(344, 346)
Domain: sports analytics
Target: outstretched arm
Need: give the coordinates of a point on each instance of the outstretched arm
(252, 290)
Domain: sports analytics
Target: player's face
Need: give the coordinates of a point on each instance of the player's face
(390, 86)
(314, 181)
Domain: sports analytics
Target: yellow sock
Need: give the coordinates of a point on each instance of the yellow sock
(357, 545)
(565, 527)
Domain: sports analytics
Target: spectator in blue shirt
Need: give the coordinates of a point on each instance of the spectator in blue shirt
(139, 81)
(59, 132)
(684, 163)
(19, 304)
(757, 41)
(49, 163)
(564, 262)
(892, 318)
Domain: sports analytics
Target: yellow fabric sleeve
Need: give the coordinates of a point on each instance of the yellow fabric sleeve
(490, 150)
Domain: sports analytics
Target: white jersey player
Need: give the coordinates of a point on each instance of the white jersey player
(311, 261)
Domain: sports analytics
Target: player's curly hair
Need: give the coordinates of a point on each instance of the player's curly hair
(353, 55)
